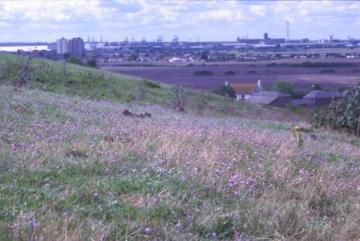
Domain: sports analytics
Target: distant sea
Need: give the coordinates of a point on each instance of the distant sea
(24, 48)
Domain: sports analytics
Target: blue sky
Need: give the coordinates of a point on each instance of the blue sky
(32, 20)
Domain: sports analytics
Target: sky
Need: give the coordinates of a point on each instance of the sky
(113, 20)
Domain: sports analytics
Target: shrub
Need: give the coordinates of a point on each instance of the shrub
(327, 71)
(284, 87)
(133, 57)
(73, 59)
(205, 55)
(229, 72)
(92, 63)
(309, 64)
(152, 84)
(203, 72)
(179, 100)
(342, 114)
(226, 91)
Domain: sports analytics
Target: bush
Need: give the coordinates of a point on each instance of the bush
(179, 100)
(73, 59)
(205, 55)
(309, 64)
(229, 72)
(327, 71)
(203, 72)
(226, 91)
(152, 84)
(284, 87)
(343, 114)
(92, 63)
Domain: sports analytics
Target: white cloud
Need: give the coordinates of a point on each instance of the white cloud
(40, 10)
(257, 10)
(117, 17)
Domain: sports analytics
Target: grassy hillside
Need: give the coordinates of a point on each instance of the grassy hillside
(75, 169)
(75, 80)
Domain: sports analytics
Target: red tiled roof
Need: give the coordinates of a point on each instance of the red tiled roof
(244, 88)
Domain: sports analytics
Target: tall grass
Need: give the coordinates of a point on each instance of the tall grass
(75, 80)
(74, 169)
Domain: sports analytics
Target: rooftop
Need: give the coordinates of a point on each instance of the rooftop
(244, 88)
(266, 97)
(315, 94)
(270, 94)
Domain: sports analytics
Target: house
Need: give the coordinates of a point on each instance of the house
(273, 98)
(321, 97)
(318, 98)
(306, 102)
(245, 90)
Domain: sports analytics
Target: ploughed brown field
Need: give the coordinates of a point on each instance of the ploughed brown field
(302, 77)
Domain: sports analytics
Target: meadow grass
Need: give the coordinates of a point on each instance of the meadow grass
(95, 84)
(78, 169)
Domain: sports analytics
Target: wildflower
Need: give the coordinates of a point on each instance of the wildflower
(219, 172)
(33, 223)
(148, 230)
(233, 181)
(178, 225)
(305, 174)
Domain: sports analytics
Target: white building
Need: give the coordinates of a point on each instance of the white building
(62, 46)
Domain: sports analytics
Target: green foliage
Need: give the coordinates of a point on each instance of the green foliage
(226, 90)
(92, 62)
(229, 72)
(203, 72)
(179, 99)
(133, 57)
(151, 84)
(288, 88)
(63, 77)
(309, 64)
(73, 59)
(224, 227)
(166, 178)
(205, 55)
(327, 71)
(284, 87)
(342, 114)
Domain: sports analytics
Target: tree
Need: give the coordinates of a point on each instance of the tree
(133, 57)
(73, 59)
(226, 90)
(284, 87)
(205, 55)
(92, 62)
(342, 114)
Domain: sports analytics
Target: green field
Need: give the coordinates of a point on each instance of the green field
(73, 167)
(75, 80)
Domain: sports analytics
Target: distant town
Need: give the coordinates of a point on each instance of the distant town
(312, 72)
(175, 51)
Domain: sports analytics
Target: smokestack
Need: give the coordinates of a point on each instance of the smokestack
(287, 30)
